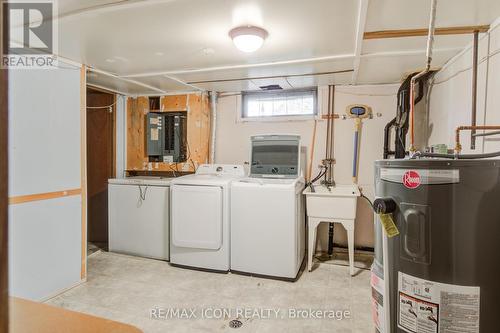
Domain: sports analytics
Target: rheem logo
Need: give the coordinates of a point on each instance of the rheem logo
(411, 179)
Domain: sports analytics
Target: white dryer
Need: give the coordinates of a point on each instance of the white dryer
(267, 210)
(200, 217)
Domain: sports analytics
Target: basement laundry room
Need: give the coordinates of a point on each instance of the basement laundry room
(316, 166)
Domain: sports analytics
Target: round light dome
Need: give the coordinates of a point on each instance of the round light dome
(248, 38)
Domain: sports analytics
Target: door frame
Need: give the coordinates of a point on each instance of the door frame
(4, 222)
(84, 89)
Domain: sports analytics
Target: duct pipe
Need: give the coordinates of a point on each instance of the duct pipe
(213, 122)
(474, 89)
(430, 42)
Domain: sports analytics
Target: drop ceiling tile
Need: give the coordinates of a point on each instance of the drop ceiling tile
(118, 85)
(391, 69)
(164, 83)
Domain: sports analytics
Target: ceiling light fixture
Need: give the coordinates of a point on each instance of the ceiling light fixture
(248, 38)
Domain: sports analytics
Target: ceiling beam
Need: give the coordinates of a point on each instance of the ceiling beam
(243, 66)
(362, 14)
(138, 83)
(423, 32)
(173, 78)
(272, 77)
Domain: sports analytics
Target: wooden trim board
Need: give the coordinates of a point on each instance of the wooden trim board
(43, 196)
(423, 32)
(83, 168)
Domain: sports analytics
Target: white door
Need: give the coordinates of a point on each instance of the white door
(196, 217)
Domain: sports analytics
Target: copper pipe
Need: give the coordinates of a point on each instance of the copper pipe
(333, 116)
(474, 88)
(458, 146)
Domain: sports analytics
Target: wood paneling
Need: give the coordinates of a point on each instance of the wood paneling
(28, 317)
(4, 267)
(423, 32)
(198, 131)
(137, 108)
(174, 103)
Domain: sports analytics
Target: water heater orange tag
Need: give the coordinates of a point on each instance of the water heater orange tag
(388, 224)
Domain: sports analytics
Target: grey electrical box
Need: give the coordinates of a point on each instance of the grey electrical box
(166, 136)
(154, 133)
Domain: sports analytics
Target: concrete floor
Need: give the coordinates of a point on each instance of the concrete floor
(125, 289)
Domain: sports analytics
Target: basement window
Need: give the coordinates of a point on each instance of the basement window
(279, 104)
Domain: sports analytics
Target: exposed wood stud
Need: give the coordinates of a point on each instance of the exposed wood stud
(83, 168)
(423, 32)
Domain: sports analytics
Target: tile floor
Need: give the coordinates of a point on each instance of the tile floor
(126, 288)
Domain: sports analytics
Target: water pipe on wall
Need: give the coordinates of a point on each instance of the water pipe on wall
(430, 42)
(458, 146)
(357, 112)
(329, 160)
(475, 50)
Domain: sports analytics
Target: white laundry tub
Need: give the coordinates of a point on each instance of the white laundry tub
(338, 202)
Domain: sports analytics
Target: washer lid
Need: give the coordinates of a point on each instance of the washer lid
(204, 180)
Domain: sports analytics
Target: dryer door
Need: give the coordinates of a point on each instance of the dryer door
(196, 219)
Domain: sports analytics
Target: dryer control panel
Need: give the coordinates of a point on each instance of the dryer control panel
(221, 169)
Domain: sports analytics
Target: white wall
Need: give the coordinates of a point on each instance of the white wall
(233, 143)
(121, 135)
(450, 100)
(44, 156)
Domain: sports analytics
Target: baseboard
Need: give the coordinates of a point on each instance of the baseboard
(56, 294)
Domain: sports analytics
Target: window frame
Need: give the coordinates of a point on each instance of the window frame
(242, 107)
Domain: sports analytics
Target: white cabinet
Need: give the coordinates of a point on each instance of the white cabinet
(139, 220)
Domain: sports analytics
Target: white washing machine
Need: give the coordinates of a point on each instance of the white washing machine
(139, 216)
(200, 217)
(267, 211)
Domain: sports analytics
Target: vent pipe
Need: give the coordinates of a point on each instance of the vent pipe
(213, 122)
(430, 43)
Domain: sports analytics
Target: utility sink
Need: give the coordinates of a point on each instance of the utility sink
(338, 202)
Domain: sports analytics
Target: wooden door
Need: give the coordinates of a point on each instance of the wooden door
(100, 162)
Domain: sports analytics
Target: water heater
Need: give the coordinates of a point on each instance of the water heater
(437, 266)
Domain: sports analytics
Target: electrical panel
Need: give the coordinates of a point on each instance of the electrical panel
(166, 137)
